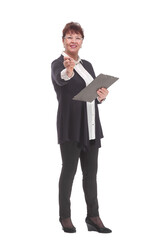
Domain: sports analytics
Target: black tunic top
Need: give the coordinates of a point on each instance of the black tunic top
(72, 122)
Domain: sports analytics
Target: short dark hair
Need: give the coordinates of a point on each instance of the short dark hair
(72, 27)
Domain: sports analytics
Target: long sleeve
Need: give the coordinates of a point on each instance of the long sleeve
(56, 69)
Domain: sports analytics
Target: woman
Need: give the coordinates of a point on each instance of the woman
(79, 128)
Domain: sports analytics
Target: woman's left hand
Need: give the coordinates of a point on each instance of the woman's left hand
(102, 94)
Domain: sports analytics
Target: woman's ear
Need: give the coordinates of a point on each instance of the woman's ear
(63, 42)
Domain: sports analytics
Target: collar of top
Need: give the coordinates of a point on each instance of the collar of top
(76, 62)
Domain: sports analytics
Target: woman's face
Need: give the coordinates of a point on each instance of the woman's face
(72, 43)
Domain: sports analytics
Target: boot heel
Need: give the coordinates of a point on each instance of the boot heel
(91, 228)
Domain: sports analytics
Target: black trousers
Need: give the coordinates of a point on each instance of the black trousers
(71, 152)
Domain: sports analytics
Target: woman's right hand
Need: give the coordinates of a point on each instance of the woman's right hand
(69, 64)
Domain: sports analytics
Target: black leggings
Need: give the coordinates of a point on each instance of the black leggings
(70, 154)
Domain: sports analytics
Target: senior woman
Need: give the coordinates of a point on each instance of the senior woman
(79, 129)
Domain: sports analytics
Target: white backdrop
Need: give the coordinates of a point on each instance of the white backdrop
(121, 39)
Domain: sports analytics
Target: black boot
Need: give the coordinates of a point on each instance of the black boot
(92, 226)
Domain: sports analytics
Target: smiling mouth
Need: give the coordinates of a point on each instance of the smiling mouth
(73, 46)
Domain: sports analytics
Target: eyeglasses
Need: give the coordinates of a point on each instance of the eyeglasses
(77, 39)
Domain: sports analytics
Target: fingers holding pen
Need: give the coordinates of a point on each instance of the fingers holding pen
(68, 62)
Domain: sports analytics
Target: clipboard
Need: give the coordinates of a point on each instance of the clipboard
(89, 93)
